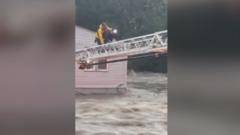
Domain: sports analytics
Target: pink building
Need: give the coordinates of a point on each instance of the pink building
(99, 78)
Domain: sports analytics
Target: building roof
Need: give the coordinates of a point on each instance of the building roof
(84, 38)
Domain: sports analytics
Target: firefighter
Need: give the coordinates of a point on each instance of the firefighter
(103, 34)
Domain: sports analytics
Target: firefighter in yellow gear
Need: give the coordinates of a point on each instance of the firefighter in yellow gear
(101, 34)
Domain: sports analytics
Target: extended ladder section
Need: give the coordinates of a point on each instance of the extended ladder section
(128, 47)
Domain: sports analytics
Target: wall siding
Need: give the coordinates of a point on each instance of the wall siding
(115, 75)
(112, 78)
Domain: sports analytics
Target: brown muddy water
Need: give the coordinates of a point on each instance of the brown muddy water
(141, 111)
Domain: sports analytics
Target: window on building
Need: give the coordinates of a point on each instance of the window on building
(102, 66)
(90, 68)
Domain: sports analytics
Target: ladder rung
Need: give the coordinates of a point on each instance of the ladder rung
(136, 45)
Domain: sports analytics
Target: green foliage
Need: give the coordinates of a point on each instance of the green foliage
(131, 17)
(153, 64)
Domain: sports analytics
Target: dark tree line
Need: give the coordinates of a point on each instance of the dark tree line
(132, 18)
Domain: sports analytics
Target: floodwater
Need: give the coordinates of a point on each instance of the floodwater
(141, 111)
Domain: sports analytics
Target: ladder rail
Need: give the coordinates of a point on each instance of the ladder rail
(131, 46)
(125, 40)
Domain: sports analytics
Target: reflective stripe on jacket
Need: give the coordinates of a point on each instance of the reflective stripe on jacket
(100, 32)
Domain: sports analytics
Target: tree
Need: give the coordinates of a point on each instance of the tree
(131, 17)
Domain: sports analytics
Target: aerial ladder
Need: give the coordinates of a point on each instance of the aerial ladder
(155, 43)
